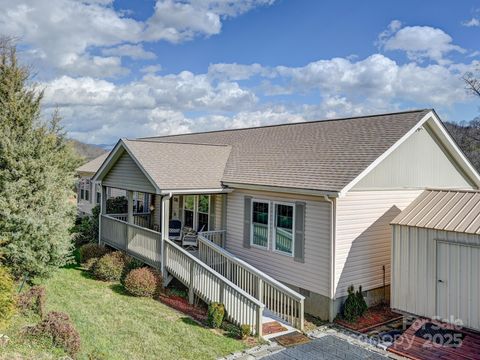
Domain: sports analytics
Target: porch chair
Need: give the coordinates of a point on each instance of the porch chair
(189, 239)
(175, 230)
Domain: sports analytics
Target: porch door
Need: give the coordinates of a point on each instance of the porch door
(458, 284)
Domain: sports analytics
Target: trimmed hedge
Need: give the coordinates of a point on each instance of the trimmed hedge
(33, 300)
(91, 251)
(60, 329)
(7, 297)
(215, 315)
(144, 282)
(245, 331)
(110, 267)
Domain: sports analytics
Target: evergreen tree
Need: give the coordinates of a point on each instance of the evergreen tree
(36, 176)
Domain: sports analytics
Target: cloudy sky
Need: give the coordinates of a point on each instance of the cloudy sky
(130, 68)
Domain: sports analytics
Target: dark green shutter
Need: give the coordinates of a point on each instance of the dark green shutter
(247, 216)
(299, 252)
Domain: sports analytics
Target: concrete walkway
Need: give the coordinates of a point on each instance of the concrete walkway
(329, 347)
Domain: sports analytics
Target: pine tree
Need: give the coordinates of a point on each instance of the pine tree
(36, 176)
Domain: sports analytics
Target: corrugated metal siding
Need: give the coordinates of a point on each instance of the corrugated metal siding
(125, 174)
(363, 236)
(444, 210)
(314, 274)
(432, 167)
(414, 273)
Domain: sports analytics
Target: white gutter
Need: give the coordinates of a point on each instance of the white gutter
(195, 191)
(282, 189)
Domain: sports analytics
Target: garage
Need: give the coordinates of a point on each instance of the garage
(436, 257)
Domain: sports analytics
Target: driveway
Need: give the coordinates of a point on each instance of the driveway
(328, 347)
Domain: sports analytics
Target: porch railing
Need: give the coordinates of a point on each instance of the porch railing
(139, 219)
(216, 236)
(137, 241)
(278, 298)
(203, 281)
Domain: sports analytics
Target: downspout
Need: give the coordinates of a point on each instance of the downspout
(332, 201)
(164, 230)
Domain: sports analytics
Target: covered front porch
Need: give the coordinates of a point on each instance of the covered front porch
(189, 203)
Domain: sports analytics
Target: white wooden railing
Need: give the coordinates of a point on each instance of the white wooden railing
(215, 236)
(135, 240)
(203, 281)
(278, 298)
(140, 219)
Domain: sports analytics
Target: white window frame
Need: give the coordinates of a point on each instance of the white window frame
(274, 226)
(269, 203)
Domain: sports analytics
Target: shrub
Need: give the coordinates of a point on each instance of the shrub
(245, 331)
(110, 266)
(33, 300)
(7, 297)
(216, 312)
(143, 282)
(131, 265)
(91, 251)
(355, 305)
(86, 228)
(58, 327)
(89, 265)
(117, 205)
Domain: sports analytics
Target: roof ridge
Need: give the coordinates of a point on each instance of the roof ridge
(294, 123)
(175, 142)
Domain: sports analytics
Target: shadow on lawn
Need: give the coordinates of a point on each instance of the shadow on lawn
(119, 289)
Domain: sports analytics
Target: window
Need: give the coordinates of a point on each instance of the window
(99, 197)
(283, 228)
(189, 210)
(87, 195)
(203, 211)
(260, 222)
(82, 194)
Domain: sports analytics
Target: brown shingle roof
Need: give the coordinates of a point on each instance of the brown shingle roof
(92, 166)
(181, 166)
(448, 210)
(322, 155)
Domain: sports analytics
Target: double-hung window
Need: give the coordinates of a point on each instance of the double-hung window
(260, 223)
(283, 228)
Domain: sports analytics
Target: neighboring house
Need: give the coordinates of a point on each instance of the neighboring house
(436, 257)
(306, 205)
(88, 193)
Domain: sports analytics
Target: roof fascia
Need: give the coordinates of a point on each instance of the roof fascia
(281, 189)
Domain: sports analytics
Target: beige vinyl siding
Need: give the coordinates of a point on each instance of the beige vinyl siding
(363, 236)
(414, 272)
(217, 202)
(314, 274)
(421, 161)
(125, 174)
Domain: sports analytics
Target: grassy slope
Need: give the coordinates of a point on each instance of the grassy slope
(123, 327)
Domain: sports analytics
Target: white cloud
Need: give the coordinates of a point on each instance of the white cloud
(133, 51)
(472, 22)
(236, 72)
(63, 35)
(419, 42)
(151, 68)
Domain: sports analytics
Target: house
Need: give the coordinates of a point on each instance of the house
(436, 257)
(290, 215)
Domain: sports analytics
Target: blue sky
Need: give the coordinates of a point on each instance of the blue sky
(146, 67)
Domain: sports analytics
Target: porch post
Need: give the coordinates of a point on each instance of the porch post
(165, 230)
(130, 207)
(103, 211)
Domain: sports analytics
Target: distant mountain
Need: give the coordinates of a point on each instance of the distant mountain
(87, 151)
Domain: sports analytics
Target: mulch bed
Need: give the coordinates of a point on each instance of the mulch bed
(375, 316)
(181, 304)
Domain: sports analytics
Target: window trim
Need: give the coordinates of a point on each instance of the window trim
(252, 244)
(274, 240)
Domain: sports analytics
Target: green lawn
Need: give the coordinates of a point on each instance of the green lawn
(120, 326)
